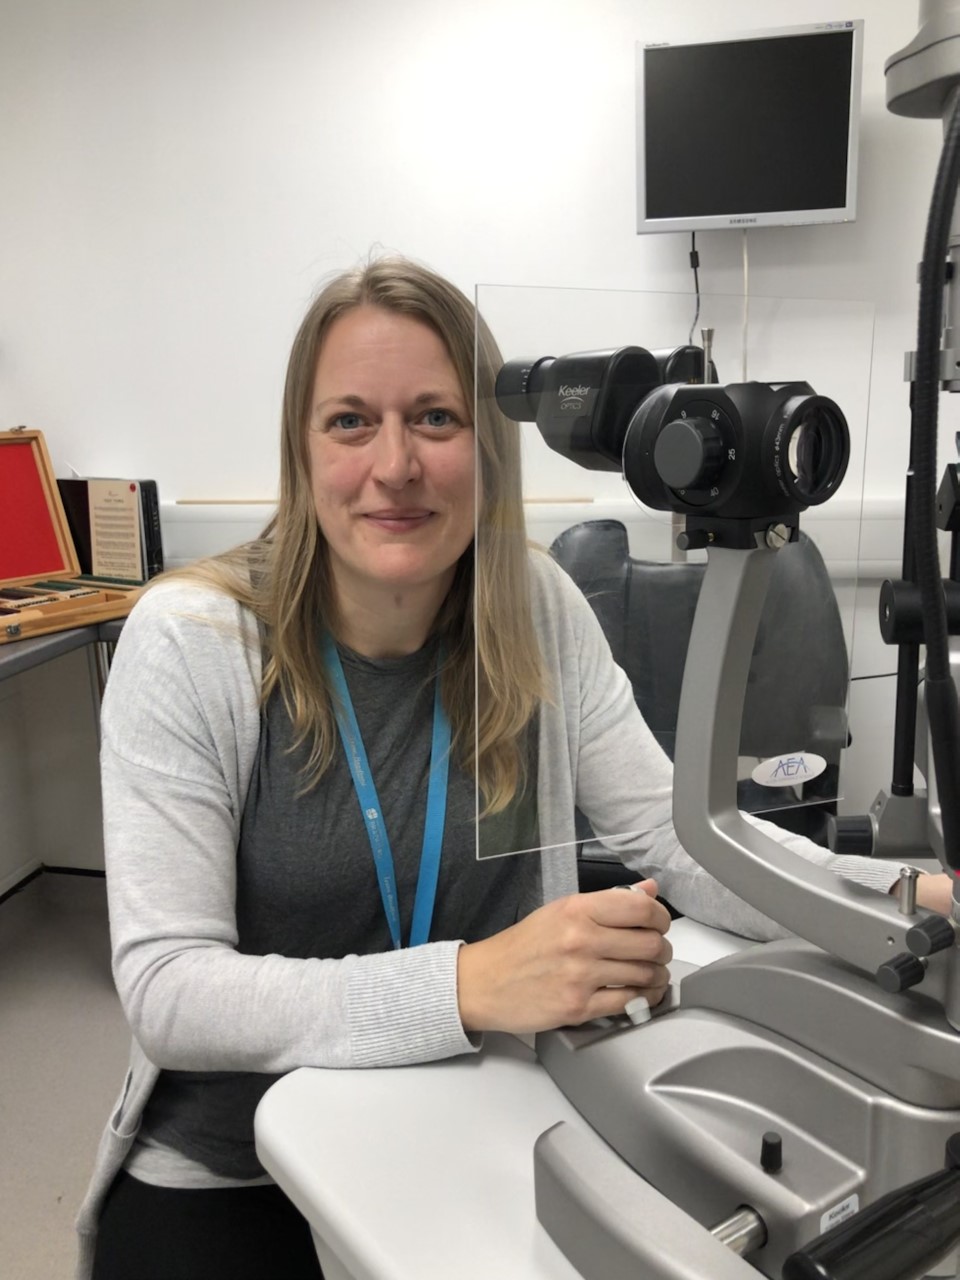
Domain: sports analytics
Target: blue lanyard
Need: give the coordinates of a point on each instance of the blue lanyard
(373, 817)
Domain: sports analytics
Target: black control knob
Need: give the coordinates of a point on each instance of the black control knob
(688, 453)
(771, 1152)
(693, 539)
(901, 972)
(853, 834)
(933, 934)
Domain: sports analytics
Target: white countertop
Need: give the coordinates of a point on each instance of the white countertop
(423, 1172)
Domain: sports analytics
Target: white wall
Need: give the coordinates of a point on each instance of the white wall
(178, 178)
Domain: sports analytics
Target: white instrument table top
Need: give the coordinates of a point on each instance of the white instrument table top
(424, 1172)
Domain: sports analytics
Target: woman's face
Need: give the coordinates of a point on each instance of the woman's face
(391, 450)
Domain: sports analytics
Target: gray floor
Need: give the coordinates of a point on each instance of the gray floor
(63, 1051)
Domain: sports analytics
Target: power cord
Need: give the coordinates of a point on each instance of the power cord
(695, 264)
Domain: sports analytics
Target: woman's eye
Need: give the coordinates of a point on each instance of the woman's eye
(438, 418)
(347, 421)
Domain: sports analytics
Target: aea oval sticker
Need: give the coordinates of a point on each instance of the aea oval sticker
(789, 770)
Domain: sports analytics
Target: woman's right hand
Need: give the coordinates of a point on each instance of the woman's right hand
(574, 959)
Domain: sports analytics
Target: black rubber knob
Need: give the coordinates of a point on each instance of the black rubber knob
(771, 1152)
(933, 934)
(851, 835)
(693, 539)
(688, 453)
(901, 972)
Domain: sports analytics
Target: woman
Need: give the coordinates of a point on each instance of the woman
(291, 843)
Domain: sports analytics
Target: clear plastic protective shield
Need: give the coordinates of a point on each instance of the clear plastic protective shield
(575, 389)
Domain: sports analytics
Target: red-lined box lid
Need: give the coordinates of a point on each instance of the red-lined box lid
(35, 539)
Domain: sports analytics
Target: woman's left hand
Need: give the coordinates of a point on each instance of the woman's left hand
(935, 892)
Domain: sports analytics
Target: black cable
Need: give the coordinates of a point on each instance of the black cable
(941, 693)
(927, 377)
(695, 263)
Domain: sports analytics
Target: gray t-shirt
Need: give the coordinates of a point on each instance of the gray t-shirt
(307, 884)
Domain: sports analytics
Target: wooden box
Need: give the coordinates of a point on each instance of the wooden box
(37, 555)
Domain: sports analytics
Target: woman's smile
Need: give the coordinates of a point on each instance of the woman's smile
(405, 521)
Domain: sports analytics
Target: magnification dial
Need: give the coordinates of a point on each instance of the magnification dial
(693, 449)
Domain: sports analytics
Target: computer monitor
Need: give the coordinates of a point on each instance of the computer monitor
(751, 129)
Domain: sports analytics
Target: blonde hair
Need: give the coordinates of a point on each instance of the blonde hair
(493, 678)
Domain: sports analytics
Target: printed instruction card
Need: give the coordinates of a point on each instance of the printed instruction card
(115, 532)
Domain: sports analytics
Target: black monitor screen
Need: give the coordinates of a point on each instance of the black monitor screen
(747, 126)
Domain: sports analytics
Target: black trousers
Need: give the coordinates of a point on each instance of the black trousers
(243, 1233)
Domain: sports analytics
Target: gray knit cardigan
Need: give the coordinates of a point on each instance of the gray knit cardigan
(180, 731)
